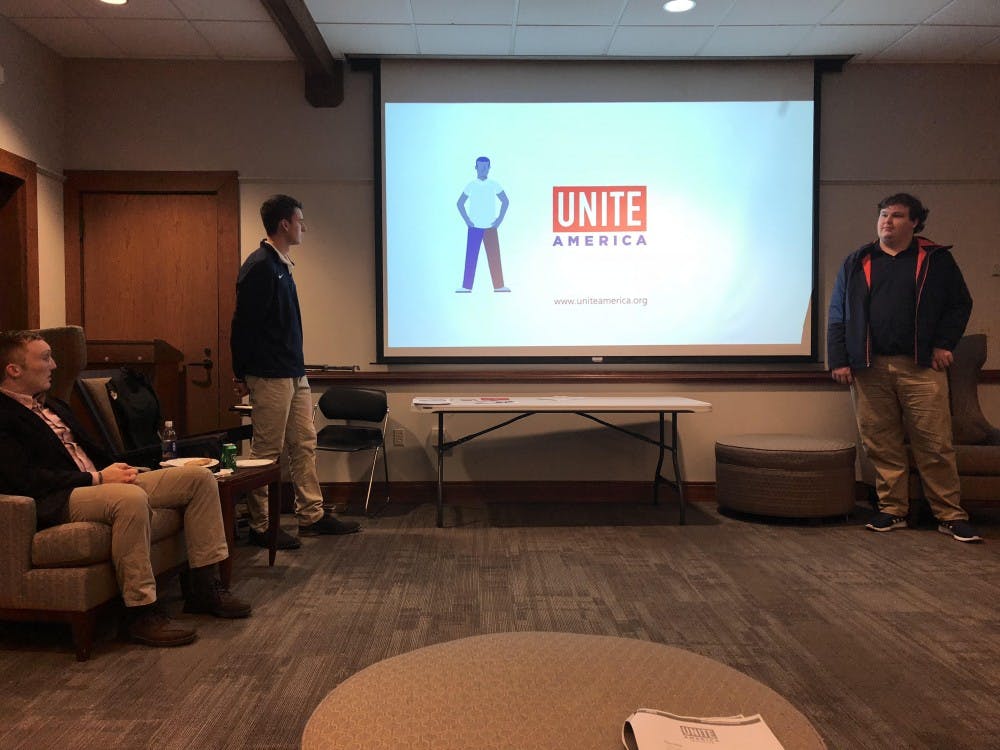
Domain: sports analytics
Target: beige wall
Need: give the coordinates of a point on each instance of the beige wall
(51, 251)
(925, 128)
(31, 99)
(248, 116)
(31, 126)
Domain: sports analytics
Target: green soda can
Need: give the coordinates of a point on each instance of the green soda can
(229, 456)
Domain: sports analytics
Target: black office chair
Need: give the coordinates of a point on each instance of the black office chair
(346, 404)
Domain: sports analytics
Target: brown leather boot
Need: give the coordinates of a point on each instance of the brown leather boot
(207, 595)
(153, 627)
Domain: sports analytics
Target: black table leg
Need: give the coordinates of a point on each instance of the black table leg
(676, 449)
(658, 476)
(440, 452)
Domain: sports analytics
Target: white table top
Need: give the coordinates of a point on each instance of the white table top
(498, 403)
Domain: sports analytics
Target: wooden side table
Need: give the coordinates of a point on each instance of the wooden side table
(240, 481)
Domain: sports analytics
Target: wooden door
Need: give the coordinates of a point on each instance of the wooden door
(19, 301)
(153, 260)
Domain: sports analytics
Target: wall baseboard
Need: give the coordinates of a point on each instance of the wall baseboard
(342, 494)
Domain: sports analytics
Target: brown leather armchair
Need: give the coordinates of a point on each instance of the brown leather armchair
(977, 442)
(64, 573)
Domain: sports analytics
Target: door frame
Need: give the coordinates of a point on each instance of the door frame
(223, 185)
(26, 210)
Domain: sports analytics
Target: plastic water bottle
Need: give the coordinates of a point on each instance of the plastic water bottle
(168, 441)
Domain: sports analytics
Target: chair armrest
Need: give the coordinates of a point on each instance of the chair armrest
(17, 529)
(148, 456)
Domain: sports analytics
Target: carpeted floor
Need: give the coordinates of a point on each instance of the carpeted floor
(882, 640)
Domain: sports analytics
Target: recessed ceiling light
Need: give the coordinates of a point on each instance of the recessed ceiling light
(114, 2)
(678, 6)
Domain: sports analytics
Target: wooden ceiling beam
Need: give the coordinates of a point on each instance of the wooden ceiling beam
(324, 74)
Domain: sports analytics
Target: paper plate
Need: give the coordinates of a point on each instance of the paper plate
(246, 463)
(208, 463)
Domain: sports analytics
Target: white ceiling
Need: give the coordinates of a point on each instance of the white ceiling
(870, 30)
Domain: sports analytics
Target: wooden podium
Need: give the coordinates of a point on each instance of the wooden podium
(157, 360)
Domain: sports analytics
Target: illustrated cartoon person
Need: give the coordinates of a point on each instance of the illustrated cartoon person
(480, 196)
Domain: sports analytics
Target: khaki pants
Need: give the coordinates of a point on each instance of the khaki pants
(283, 423)
(127, 509)
(896, 398)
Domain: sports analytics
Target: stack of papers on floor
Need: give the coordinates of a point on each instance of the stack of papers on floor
(648, 729)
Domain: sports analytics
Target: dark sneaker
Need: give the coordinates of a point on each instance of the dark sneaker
(285, 540)
(329, 524)
(217, 600)
(963, 531)
(155, 628)
(885, 522)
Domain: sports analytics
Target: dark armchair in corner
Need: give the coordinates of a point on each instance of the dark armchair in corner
(977, 442)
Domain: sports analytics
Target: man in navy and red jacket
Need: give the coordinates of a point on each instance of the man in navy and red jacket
(898, 309)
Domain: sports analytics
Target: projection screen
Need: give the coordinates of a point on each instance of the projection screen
(596, 211)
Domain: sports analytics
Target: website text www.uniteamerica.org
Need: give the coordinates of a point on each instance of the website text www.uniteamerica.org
(641, 301)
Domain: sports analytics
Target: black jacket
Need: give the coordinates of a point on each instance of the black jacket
(266, 336)
(34, 462)
(943, 306)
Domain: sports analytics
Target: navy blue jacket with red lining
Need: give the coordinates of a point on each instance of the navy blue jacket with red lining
(943, 306)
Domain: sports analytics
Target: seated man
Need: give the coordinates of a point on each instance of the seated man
(45, 455)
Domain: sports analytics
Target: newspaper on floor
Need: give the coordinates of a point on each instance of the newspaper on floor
(649, 729)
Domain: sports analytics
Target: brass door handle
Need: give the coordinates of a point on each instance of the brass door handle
(206, 363)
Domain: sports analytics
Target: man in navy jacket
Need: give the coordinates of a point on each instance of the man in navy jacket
(268, 364)
(898, 309)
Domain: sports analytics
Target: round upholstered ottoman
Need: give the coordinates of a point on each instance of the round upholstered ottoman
(797, 476)
(551, 691)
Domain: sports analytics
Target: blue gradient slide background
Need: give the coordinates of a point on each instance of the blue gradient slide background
(727, 259)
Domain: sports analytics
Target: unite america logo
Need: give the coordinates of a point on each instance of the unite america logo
(598, 216)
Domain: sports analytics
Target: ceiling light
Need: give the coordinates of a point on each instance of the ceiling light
(114, 2)
(678, 6)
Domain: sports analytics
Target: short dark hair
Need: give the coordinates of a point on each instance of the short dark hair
(917, 210)
(276, 209)
(483, 158)
(12, 345)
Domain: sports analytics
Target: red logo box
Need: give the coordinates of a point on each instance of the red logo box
(611, 208)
